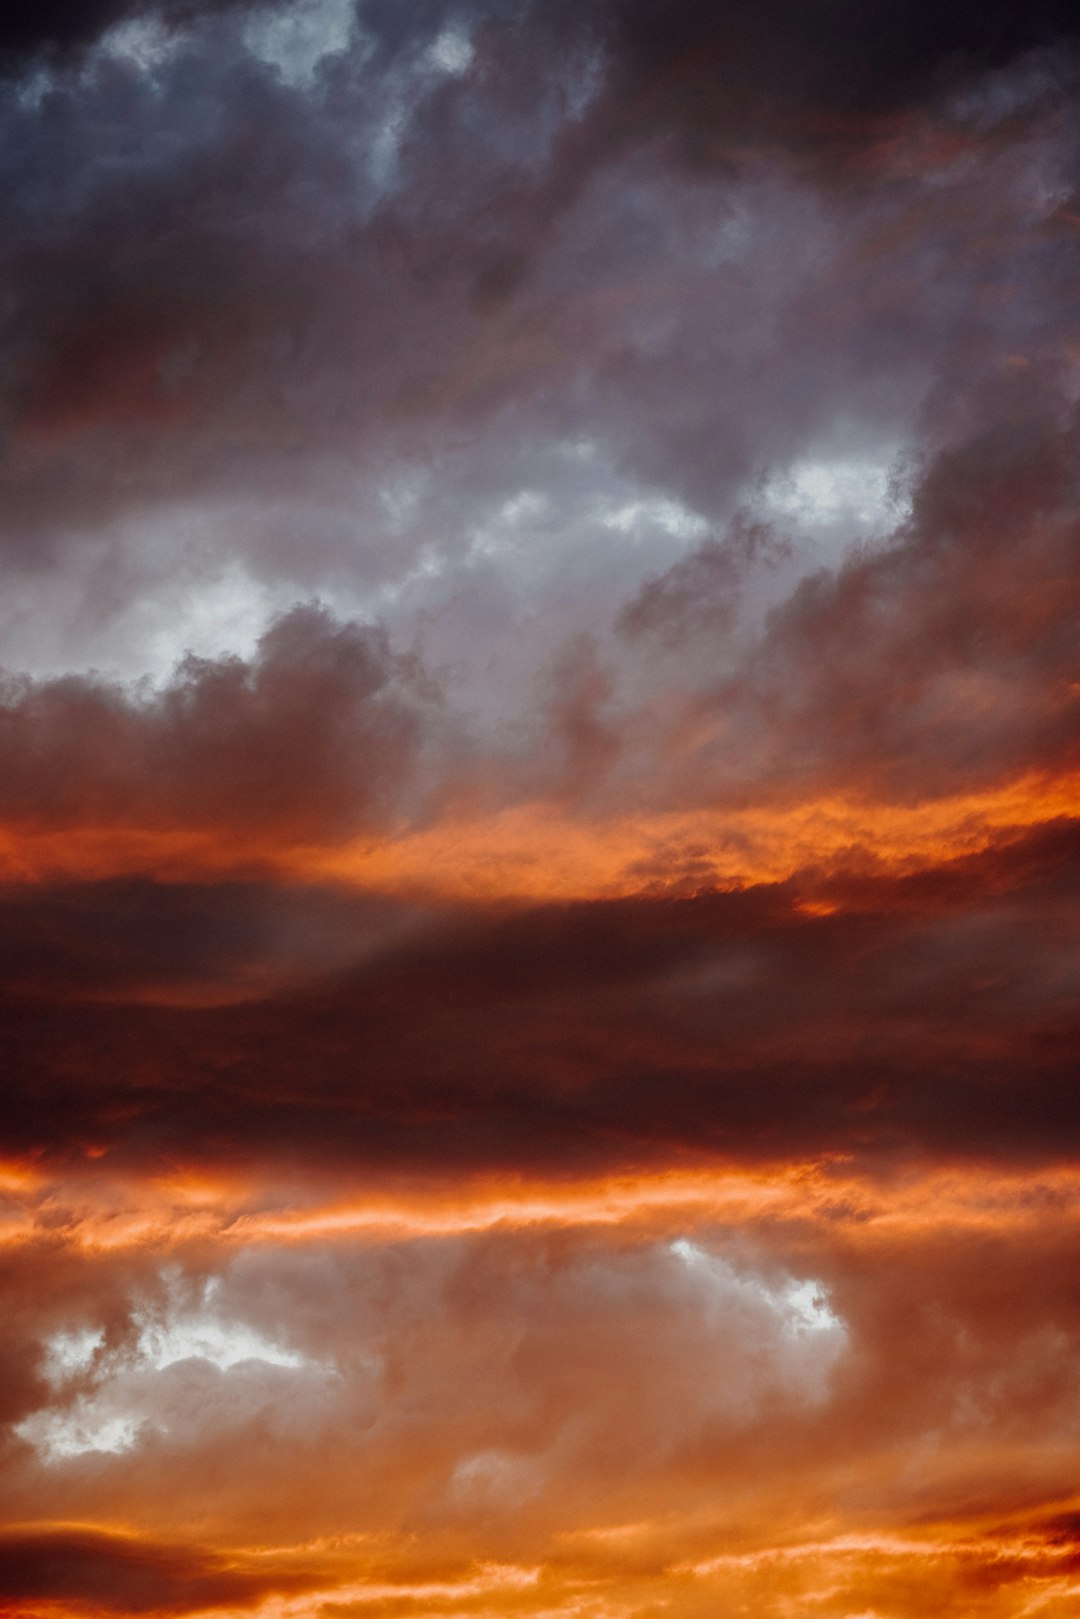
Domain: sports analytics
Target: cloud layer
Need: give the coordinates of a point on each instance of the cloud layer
(539, 805)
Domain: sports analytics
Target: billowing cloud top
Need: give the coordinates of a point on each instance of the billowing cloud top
(539, 808)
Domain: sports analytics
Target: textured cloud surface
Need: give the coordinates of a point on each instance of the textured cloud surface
(539, 809)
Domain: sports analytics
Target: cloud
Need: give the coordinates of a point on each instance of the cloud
(245, 323)
(855, 1012)
(938, 657)
(699, 594)
(824, 79)
(90, 1569)
(538, 808)
(528, 1397)
(318, 731)
(931, 664)
(134, 938)
(187, 1364)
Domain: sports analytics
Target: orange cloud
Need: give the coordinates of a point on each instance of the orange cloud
(538, 852)
(99, 1213)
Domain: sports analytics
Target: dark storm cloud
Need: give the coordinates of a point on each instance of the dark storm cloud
(932, 1014)
(830, 77)
(829, 69)
(318, 732)
(940, 662)
(54, 28)
(230, 283)
(223, 262)
(100, 1572)
(963, 630)
(28, 29)
(130, 937)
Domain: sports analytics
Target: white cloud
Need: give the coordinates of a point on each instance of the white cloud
(821, 492)
(222, 1344)
(452, 52)
(167, 1380)
(89, 1424)
(296, 38)
(68, 1354)
(655, 512)
(800, 1334)
(143, 41)
(808, 1309)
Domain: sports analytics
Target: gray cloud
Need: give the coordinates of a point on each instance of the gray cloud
(276, 332)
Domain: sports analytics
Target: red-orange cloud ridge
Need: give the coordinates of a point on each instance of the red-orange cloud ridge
(537, 852)
(113, 1215)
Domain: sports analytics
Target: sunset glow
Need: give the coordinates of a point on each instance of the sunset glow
(540, 810)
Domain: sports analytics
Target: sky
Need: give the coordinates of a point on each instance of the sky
(540, 809)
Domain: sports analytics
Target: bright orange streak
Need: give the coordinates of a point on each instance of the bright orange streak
(103, 1217)
(935, 1566)
(538, 852)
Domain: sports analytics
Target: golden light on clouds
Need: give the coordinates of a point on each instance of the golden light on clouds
(96, 1214)
(539, 853)
(539, 810)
